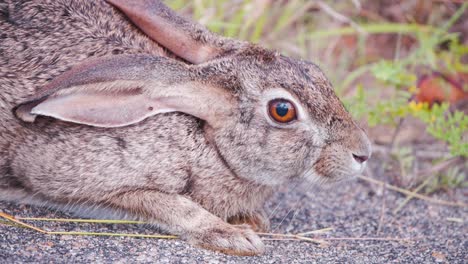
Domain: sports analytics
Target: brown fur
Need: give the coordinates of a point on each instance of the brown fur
(172, 169)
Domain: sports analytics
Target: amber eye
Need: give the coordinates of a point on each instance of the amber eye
(282, 110)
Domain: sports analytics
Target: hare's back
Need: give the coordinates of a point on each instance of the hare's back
(41, 39)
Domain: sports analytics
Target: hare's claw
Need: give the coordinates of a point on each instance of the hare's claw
(234, 240)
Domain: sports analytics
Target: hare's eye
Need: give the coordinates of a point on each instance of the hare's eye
(282, 110)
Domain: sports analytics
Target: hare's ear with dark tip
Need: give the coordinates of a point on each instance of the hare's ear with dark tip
(187, 40)
(123, 90)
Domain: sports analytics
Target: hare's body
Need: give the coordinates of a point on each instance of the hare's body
(51, 158)
(98, 118)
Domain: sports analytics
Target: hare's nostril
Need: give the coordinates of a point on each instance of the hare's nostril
(360, 159)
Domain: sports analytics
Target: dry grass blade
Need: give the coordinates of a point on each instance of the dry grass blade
(455, 219)
(74, 233)
(318, 231)
(297, 237)
(370, 239)
(22, 224)
(265, 236)
(2, 222)
(325, 241)
(93, 221)
(413, 194)
(14, 220)
(279, 239)
(17, 222)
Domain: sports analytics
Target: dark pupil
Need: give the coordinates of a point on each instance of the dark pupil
(282, 109)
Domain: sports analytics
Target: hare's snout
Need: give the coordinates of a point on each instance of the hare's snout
(343, 158)
(360, 152)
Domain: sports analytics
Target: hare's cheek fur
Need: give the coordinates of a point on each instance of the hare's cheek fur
(265, 155)
(260, 150)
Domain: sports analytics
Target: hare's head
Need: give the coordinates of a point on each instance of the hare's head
(285, 120)
(270, 117)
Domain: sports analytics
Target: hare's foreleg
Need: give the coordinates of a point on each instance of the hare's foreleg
(181, 216)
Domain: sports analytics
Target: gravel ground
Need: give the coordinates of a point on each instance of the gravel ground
(353, 209)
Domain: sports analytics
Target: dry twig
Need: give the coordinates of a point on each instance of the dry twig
(409, 197)
(340, 17)
(416, 195)
(382, 209)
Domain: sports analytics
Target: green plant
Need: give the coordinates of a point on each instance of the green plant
(400, 76)
(454, 177)
(444, 125)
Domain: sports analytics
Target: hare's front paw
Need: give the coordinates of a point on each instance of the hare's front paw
(239, 240)
(258, 221)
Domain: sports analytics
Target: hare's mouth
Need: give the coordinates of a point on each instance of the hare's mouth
(335, 175)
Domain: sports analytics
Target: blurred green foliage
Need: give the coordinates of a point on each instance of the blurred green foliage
(454, 177)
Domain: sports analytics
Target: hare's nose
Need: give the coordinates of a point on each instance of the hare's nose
(360, 158)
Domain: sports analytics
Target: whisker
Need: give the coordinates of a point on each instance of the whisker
(298, 207)
(280, 202)
(294, 207)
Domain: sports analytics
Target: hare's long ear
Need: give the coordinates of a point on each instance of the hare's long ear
(123, 90)
(186, 39)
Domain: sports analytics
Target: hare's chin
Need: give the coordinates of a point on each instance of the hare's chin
(354, 171)
(337, 176)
